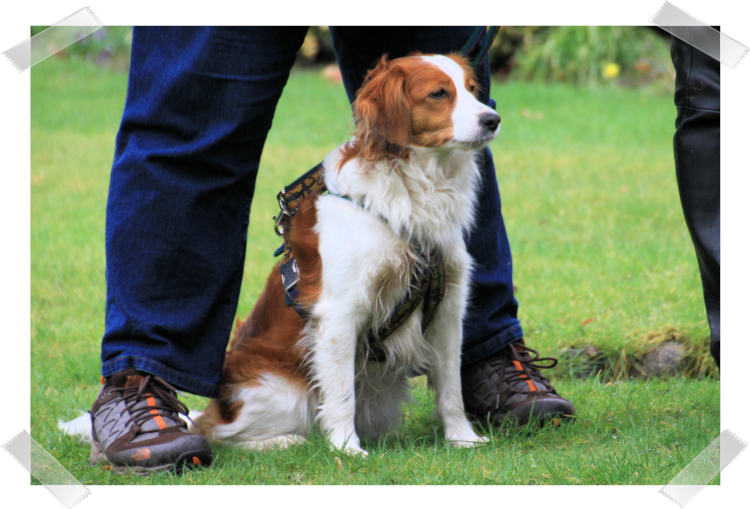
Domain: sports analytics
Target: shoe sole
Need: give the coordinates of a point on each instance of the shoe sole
(523, 416)
(186, 461)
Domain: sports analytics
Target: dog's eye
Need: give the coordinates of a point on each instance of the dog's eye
(471, 87)
(437, 94)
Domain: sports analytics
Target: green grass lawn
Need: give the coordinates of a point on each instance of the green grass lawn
(602, 257)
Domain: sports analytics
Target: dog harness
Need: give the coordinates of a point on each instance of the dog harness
(427, 282)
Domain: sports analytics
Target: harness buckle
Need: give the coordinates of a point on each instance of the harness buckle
(284, 212)
(289, 278)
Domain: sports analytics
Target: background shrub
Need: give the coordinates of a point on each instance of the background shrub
(110, 46)
(591, 56)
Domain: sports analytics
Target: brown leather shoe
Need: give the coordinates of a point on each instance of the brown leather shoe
(136, 427)
(508, 388)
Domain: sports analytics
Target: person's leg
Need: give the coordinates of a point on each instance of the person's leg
(199, 105)
(492, 324)
(696, 153)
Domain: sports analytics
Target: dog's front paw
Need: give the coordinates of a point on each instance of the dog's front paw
(350, 450)
(478, 442)
(467, 438)
(348, 443)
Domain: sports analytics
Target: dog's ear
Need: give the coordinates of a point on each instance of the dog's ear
(382, 111)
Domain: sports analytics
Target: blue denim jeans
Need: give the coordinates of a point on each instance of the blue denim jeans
(200, 103)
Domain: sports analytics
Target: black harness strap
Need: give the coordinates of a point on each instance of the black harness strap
(489, 36)
(290, 198)
(472, 42)
(427, 284)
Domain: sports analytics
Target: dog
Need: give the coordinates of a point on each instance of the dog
(410, 177)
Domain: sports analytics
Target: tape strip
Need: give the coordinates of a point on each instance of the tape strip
(712, 460)
(54, 39)
(48, 471)
(699, 35)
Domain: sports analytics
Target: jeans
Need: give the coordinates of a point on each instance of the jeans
(696, 153)
(199, 105)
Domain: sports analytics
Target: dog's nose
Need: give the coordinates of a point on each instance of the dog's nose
(490, 121)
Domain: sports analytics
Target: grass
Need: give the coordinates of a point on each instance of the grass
(602, 257)
(625, 433)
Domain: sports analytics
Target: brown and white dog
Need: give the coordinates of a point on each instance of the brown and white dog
(411, 173)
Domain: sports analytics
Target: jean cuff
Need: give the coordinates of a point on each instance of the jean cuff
(492, 346)
(179, 380)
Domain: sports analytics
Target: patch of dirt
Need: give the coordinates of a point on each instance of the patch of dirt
(667, 353)
(668, 358)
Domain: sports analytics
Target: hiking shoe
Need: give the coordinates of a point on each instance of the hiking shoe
(135, 427)
(508, 388)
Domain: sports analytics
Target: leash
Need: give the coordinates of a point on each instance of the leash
(470, 50)
(428, 280)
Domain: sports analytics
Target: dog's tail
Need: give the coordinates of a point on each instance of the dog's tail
(204, 422)
(79, 427)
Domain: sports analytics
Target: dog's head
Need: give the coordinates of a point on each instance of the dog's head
(421, 100)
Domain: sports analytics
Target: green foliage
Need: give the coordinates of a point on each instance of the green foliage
(509, 42)
(581, 54)
(110, 45)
